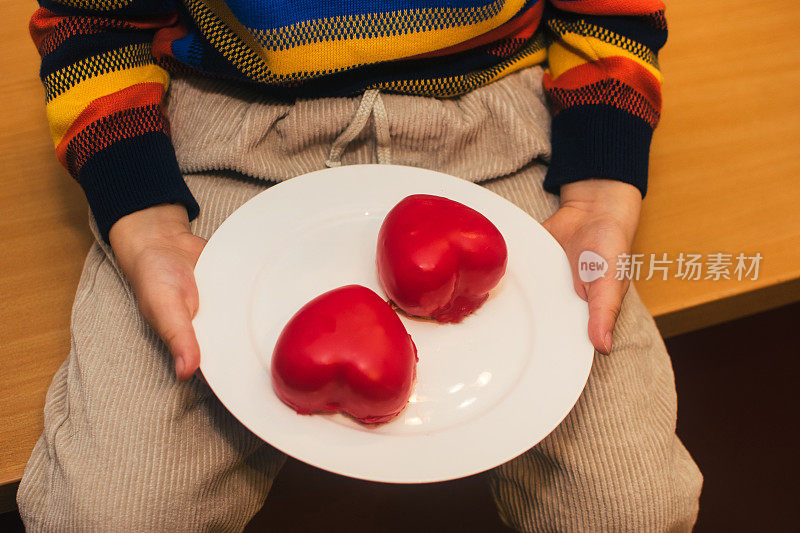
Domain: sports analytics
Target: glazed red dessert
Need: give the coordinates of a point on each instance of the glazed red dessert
(438, 258)
(346, 350)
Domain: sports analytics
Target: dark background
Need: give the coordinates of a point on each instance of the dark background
(737, 416)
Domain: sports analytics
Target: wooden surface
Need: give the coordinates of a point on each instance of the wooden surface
(43, 238)
(726, 159)
(724, 179)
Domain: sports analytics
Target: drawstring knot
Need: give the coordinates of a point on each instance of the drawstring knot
(371, 105)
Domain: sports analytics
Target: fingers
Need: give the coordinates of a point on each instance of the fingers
(555, 225)
(591, 236)
(171, 317)
(605, 301)
(161, 274)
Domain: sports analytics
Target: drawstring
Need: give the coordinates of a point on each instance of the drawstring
(371, 104)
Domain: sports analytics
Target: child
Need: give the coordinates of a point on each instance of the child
(265, 90)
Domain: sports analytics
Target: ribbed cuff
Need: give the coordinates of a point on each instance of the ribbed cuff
(597, 141)
(133, 174)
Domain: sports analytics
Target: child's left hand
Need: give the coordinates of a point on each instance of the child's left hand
(598, 215)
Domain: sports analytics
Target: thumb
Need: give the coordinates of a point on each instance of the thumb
(173, 323)
(605, 301)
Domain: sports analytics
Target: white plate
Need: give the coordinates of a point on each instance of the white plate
(487, 389)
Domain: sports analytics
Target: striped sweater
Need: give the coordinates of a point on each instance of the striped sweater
(106, 65)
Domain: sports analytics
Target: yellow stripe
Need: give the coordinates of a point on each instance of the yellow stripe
(581, 28)
(338, 55)
(562, 58)
(371, 25)
(121, 58)
(330, 56)
(449, 86)
(66, 107)
(223, 12)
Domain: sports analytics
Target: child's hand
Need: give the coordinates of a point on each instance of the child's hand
(601, 216)
(157, 252)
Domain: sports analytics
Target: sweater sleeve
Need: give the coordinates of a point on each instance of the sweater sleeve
(604, 87)
(104, 92)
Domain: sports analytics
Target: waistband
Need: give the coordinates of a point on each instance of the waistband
(490, 132)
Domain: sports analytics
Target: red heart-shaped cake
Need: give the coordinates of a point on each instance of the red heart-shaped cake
(346, 350)
(438, 258)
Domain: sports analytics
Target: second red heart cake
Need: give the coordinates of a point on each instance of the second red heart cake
(438, 258)
(346, 350)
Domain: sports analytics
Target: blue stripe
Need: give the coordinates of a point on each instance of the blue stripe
(268, 15)
(183, 50)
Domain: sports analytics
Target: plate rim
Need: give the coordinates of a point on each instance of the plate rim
(216, 387)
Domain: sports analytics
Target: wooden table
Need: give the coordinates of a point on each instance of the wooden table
(725, 173)
(725, 159)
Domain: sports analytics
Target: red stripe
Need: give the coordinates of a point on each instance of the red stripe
(609, 93)
(162, 44)
(610, 7)
(620, 68)
(42, 23)
(127, 124)
(519, 27)
(138, 95)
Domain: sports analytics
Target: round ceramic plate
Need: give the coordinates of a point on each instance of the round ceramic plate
(487, 389)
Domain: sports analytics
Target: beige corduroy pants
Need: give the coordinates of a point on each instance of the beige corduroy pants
(126, 447)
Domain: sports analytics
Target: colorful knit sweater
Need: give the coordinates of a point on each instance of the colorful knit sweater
(106, 65)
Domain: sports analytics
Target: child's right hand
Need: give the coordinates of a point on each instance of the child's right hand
(157, 251)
